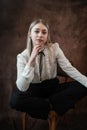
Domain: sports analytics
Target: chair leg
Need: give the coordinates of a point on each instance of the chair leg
(24, 121)
(53, 120)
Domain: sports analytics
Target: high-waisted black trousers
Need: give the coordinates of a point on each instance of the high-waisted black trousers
(36, 101)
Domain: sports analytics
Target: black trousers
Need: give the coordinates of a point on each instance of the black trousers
(36, 101)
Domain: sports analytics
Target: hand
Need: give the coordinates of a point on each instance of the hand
(34, 53)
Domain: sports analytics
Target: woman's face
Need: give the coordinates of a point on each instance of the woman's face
(39, 34)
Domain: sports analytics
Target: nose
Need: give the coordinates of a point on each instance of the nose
(40, 34)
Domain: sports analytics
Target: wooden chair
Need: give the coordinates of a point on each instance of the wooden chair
(53, 118)
(24, 120)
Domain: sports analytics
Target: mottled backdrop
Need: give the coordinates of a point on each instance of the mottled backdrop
(68, 24)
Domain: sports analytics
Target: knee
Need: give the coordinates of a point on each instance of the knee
(14, 101)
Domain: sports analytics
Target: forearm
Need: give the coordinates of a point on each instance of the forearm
(25, 78)
(76, 75)
(22, 84)
(73, 72)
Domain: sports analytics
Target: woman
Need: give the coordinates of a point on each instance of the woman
(39, 90)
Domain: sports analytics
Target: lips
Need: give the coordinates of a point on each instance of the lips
(40, 40)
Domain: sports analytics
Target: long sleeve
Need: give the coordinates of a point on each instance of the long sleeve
(68, 68)
(25, 73)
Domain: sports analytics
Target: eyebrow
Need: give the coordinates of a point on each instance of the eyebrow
(39, 29)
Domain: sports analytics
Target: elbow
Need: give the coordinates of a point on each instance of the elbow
(22, 87)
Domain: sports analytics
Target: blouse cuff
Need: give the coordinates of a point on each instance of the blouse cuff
(86, 85)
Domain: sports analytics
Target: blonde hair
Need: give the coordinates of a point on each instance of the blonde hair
(29, 41)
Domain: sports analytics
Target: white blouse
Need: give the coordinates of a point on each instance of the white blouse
(53, 55)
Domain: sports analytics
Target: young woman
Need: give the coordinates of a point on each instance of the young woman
(39, 90)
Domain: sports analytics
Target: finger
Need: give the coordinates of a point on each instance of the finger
(37, 48)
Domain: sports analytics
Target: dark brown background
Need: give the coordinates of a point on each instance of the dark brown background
(68, 23)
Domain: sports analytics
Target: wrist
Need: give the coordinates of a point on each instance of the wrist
(31, 63)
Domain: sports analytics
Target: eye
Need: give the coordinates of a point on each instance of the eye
(44, 32)
(36, 31)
